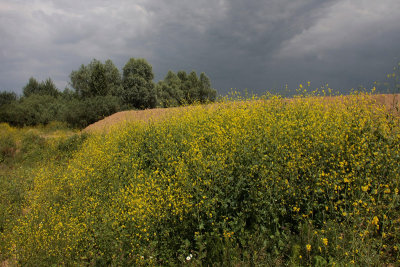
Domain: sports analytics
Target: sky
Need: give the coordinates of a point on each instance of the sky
(255, 45)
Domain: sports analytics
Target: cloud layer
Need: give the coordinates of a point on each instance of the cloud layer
(253, 44)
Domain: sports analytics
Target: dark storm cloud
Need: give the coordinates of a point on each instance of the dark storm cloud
(240, 44)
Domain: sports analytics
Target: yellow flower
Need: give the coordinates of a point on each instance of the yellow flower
(364, 188)
(308, 246)
(325, 241)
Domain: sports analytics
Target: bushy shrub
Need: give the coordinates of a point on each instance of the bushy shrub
(32, 110)
(7, 98)
(81, 113)
(269, 182)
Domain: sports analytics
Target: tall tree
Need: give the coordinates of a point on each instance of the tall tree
(96, 79)
(169, 91)
(49, 88)
(181, 88)
(193, 87)
(206, 93)
(46, 87)
(7, 98)
(137, 83)
(32, 87)
(113, 78)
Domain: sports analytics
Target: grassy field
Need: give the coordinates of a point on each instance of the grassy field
(276, 182)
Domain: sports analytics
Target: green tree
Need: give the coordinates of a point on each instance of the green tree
(185, 85)
(96, 79)
(82, 112)
(32, 110)
(137, 83)
(192, 87)
(46, 87)
(169, 93)
(32, 87)
(180, 88)
(69, 94)
(206, 93)
(7, 98)
(113, 78)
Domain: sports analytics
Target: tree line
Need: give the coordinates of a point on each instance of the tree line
(98, 90)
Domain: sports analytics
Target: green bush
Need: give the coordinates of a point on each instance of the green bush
(81, 113)
(32, 110)
(7, 98)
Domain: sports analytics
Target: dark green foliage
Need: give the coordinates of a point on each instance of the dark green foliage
(98, 90)
(69, 94)
(169, 91)
(32, 110)
(181, 88)
(32, 87)
(190, 87)
(97, 86)
(44, 88)
(7, 98)
(39, 105)
(137, 82)
(48, 88)
(96, 79)
(81, 113)
(206, 93)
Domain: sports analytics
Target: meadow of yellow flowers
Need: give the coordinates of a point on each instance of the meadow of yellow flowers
(265, 182)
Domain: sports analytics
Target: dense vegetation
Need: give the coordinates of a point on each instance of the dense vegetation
(306, 181)
(22, 151)
(99, 90)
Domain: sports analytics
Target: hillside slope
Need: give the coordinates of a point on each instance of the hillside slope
(390, 101)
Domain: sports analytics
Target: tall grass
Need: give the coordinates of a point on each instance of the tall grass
(265, 182)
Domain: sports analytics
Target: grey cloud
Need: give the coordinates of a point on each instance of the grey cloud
(256, 44)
